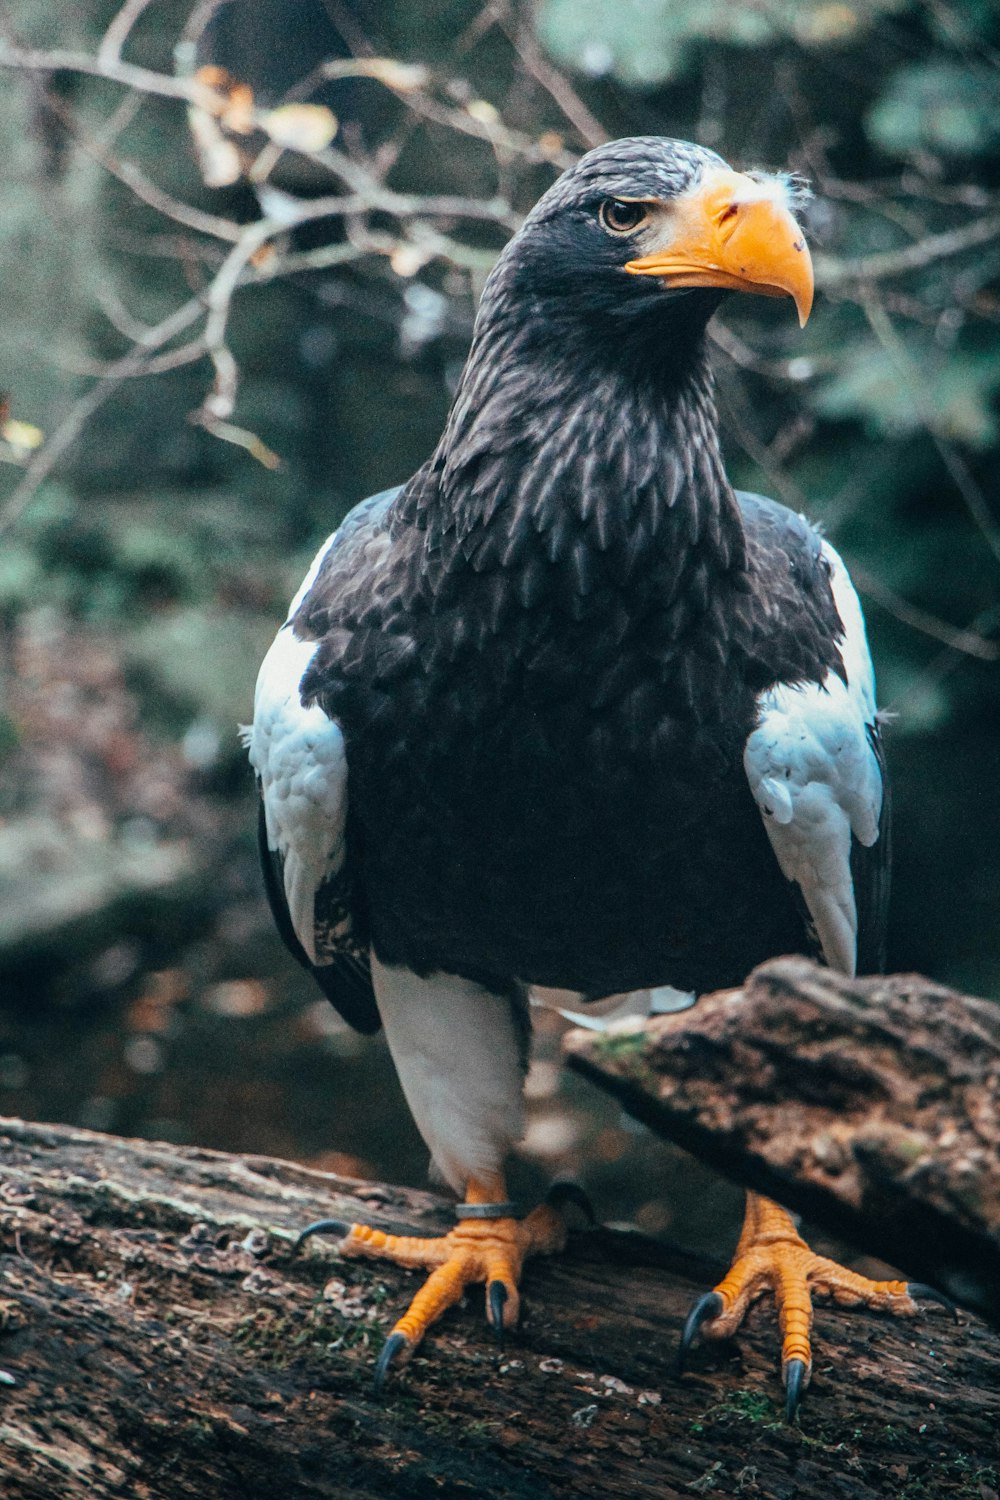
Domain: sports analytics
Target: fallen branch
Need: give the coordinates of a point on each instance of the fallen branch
(872, 1106)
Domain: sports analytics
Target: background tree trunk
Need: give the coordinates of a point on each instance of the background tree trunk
(872, 1106)
(166, 1343)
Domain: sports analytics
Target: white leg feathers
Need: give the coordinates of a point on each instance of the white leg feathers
(457, 1050)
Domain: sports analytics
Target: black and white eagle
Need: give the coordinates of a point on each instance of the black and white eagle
(567, 710)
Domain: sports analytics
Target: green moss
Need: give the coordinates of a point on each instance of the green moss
(277, 1340)
(744, 1405)
(624, 1053)
(610, 1046)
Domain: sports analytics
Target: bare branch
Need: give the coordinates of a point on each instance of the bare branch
(795, 371)
(138, 183)
(873, 191)
(832, 273)
(240, 437)
(972, 495)
(554, 82)
(941, 666)
(157, 364)
(186, 50)
(495, 132)
(145, 80)
(66, 434)
(968, 642)
(110, 50)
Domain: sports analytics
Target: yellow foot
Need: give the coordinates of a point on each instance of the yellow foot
(773, 1256)
(490, 1248)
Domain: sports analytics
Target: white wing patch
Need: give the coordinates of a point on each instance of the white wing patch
(298, 753)
(816, 779)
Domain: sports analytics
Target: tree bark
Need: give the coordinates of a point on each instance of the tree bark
(167, 1343)
(872, 1106)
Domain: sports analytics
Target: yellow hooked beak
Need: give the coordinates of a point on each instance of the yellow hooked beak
(735, 232)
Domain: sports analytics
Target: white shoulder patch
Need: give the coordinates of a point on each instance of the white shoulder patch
(815, 777)
(298, 753)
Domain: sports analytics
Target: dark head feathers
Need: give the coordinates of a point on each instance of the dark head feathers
(639, 166)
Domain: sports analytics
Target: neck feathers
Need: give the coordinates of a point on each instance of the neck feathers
(569, 475)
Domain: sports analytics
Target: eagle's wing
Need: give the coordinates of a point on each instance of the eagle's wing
(817, 773)
(300, 759)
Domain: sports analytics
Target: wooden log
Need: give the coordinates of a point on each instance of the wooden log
(871, 1106)
(168, 1345)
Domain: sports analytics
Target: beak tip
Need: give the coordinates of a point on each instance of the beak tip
(803, 303)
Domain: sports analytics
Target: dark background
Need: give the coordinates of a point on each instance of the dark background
(143, 990)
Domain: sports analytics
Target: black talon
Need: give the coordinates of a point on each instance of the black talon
(497, 1294)
(322, 1226)
(795, 1375)
(705, 1309)
(917, 1289)
(571, 1192)
(393, 1344)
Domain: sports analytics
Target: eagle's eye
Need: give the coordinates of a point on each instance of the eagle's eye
(619, 216)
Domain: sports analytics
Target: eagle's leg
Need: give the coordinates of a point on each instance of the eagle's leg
(772, 1256)
(489, 1245)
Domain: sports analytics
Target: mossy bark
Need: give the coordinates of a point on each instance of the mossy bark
(167, 1343)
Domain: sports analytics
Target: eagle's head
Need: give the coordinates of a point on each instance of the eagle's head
(645, 234)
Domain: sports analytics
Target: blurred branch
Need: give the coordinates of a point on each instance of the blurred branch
(138, 183)
(794, 370)
(832, 273)
(941, 666)
(551, 79)
(909, 185)
(66, 434)
(966, 641)
(252, 257)
(144, 80)
(486, 125)
(972, 495)
(110, 50)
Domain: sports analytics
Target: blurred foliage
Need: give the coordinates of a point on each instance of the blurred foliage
(646, 42)
(947, 107)
(880, 420)
(893, 398)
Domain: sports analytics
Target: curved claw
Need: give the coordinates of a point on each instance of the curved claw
(917, 1289)
(796, 1372)
(322, 1226)
(561, 1193)
(705, 1309)
(497, 1294)
(392, 1346)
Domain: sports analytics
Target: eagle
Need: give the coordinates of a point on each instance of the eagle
(566, 710)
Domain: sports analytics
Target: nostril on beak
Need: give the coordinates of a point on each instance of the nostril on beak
(726, 221)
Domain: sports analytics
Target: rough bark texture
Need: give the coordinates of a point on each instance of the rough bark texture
(872, 1106)
(166, 1343)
